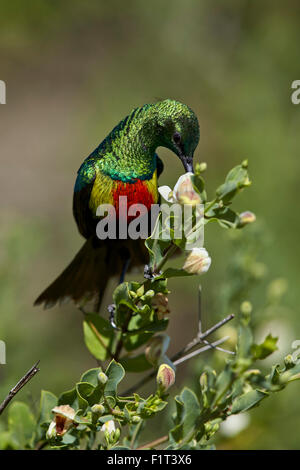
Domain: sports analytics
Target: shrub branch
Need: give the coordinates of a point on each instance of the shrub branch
(28, 376)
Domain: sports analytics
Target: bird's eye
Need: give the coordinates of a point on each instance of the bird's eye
(176, 137)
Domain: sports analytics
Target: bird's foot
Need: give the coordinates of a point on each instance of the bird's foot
(112, 311)
(149, 274)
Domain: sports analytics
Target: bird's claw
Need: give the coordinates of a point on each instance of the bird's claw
(112, 311)
(149, 274)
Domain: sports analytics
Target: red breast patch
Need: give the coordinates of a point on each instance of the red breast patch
(136, 193)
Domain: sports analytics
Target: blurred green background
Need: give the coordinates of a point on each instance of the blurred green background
(73, 69)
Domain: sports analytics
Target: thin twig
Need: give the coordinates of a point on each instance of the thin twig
(216, 326)
(201, 350)
(201, 337)
(218, 349)
(183, 352)
(28, 376)
(200, 309)
(155, 443)
(163, 439)
(120, 341)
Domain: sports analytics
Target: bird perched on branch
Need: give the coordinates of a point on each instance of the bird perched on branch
(124, 164)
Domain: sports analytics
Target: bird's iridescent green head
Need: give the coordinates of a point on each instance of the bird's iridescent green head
(178, 128)
(128, 152)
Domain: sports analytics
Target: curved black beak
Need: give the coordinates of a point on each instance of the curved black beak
(187, 163)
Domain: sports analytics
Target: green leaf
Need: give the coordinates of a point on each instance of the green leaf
(120, 448)
(223, 383)
(135, 340)
(69, 440)
(199, 185)
(121, 297)
(245, 340)
(263, 350)
(136, 363)
(79, 419)
(225, 217)
(47, 403)
(84, 393)
(153, 327)
(247, 400)
(105, 418)
(175, 272)
(236, 179)
(21, 424)
(7, 441)
(187, 419)
(140, 329)
(275, 374)
(115, 373)
(98, 336)
(159, 285)
(91, 376)
(69, 398)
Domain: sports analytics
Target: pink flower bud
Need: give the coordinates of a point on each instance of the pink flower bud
(246, 218)
(165, 377)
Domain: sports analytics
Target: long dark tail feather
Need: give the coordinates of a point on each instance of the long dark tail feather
(85, 277)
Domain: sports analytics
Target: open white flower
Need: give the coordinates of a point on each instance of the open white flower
(234, 424)
(108, 427)
(183, 192)
(51, 431)
(63, 420)
(198, 261)
(109, 433)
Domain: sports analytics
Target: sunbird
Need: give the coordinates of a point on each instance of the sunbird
(124, 164)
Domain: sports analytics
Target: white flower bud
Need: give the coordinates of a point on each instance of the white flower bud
(51, 432)
(102, 378)
(136, 419)
(197, 262)
(184, 191)
(98, 409)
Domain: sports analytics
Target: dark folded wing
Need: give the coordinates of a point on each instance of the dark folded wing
(159, 166)
(81, 198)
